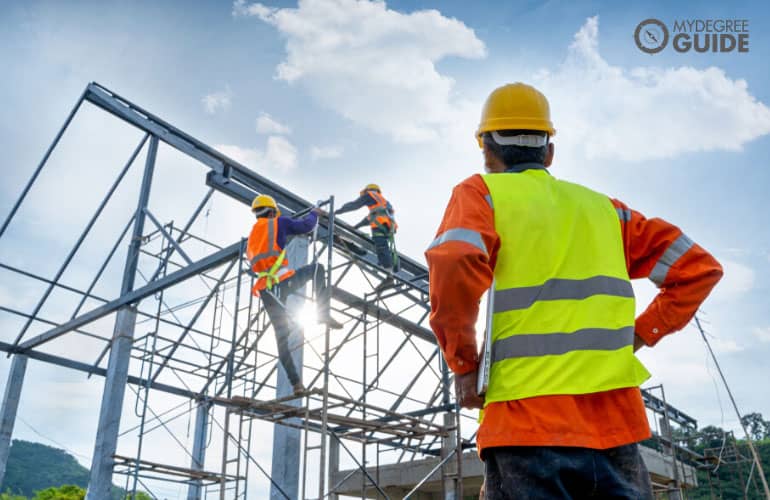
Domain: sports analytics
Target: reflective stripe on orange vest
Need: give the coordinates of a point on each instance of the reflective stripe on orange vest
(379, 217)
(266, 258)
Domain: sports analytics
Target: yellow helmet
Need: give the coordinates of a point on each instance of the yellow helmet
(264, 201)
(516, 106)
(371, 187)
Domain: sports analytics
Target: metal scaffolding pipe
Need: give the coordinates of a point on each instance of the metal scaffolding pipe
(10, 406)
(199, 448)
(100, 481)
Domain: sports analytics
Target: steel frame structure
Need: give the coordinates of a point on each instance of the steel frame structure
(218, 359)
(378, 391)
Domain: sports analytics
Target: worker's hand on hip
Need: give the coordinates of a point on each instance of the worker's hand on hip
(465, 391)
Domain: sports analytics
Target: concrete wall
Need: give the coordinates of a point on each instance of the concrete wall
(397, 479)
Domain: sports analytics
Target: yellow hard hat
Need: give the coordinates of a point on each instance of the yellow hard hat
(515, 106)
(371, 187)
(264, 201)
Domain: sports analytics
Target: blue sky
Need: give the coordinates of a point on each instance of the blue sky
(326, 96)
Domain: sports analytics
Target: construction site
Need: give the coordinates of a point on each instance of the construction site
(194, 397)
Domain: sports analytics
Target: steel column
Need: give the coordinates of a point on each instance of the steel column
(287, 441)
(100, 481)
(10, 406)
(334, 465)
(199, 448)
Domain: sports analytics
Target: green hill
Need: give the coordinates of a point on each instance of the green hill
(34, 466)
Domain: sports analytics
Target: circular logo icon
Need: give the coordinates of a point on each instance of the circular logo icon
(651, 36)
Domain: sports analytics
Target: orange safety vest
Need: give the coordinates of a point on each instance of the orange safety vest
(379, 217)
(267, 259)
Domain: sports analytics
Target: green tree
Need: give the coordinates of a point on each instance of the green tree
(33, 467)
(710, 437)
(66, 492)
(140, 495)
(758, 427)
(10, 496)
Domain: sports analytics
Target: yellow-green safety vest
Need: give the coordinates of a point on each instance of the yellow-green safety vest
(563, 311)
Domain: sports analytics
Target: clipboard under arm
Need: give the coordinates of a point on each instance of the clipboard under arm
(482, 380)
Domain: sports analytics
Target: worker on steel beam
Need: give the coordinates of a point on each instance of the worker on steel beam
(382, 222)
(267, 257)
(562, 409)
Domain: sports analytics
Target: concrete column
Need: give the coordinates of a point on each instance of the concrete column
(287, 441)
(10, 406)
(100, 481)
(199, 448)
(449, 470)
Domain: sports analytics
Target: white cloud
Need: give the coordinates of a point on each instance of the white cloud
(373, 65)
(725, 346)
(762, 334)
(325, 152)
(643, 113)
(738, 280)
(279, 154)
(217, 101)
(267, 125)
(251, 158)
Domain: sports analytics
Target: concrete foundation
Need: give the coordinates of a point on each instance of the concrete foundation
(398, 479)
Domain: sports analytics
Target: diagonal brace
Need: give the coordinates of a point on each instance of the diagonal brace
(203, 265)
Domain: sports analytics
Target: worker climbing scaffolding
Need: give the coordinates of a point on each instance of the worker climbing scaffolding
(382, 222)
(276, 279)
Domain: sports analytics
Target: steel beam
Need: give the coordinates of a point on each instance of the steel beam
(383, 315)
(10, 406)
(201, 266)
(287, 441)
(42, 163)
(100, 480)
(82, 238)
(199, 448)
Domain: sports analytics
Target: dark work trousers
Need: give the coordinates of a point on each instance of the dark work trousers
(543, 472)
(382, 247)
(278, 315)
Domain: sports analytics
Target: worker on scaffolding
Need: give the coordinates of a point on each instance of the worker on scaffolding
(276, 280)
(562, 409)
(382, 222)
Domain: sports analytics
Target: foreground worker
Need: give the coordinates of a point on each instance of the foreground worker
(562, 410)
(266, 253)
(381, 221)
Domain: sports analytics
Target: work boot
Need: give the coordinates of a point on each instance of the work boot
(298, 388)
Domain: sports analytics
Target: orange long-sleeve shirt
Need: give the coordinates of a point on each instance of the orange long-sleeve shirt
(461, 272)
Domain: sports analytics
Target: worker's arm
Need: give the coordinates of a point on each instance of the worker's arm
(684, 272)
(461, 262)
(300, 225)
(353, 205)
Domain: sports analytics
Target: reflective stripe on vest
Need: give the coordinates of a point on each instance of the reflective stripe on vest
(267, 260)
(272, 243)
(563, 317)
(379, 217)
